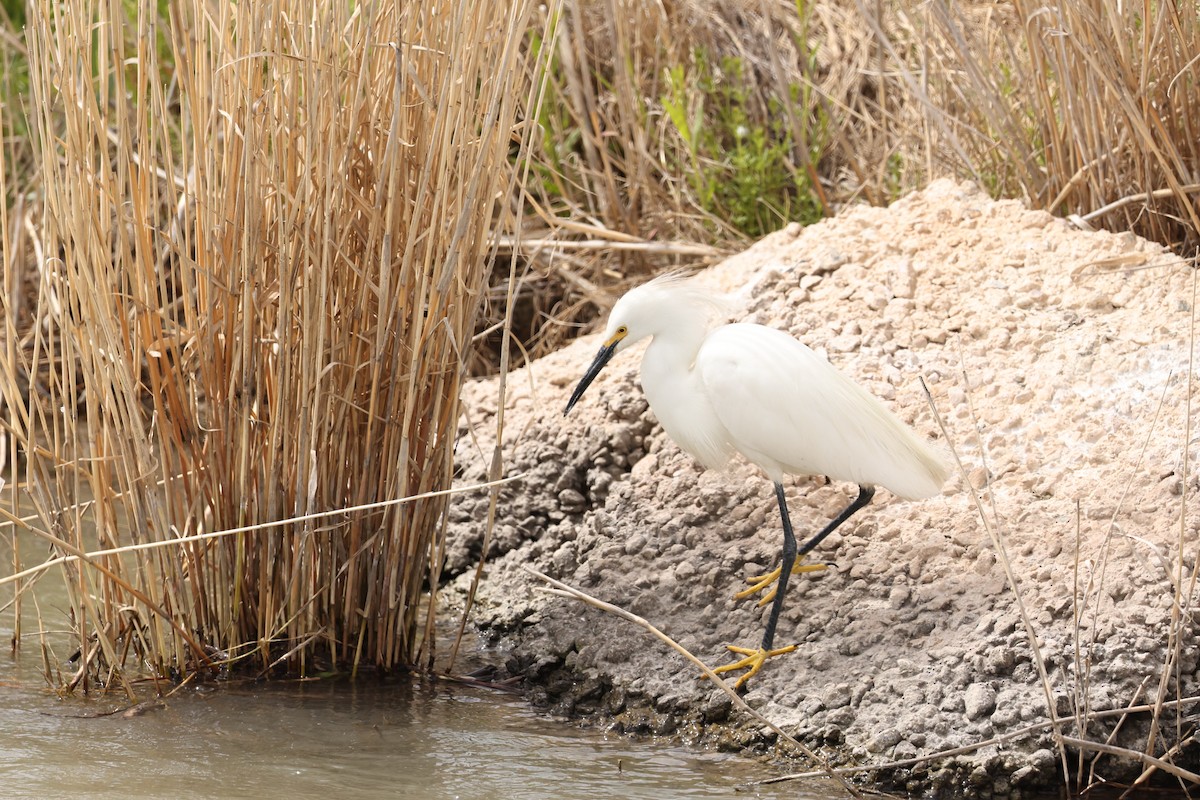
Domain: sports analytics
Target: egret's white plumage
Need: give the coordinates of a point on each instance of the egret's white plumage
(720, 389)
(807, 417)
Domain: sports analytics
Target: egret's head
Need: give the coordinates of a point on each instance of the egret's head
(668, 302)
(616, 337)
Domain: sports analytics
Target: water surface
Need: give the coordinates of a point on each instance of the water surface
(413, 738)
(339, 739)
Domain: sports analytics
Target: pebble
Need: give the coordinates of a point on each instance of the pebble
(979, 701)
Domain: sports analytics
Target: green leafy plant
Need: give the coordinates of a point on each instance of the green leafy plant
(741, 159)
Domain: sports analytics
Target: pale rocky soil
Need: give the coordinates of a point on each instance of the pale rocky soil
(1059, 361)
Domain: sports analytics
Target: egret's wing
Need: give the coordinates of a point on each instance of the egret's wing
(788, 410)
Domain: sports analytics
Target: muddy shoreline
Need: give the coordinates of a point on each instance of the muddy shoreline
(1058, 360)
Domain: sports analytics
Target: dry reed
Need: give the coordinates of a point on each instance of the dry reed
(612, 168)
(264, 243)
(1085, 109)
(255, 268)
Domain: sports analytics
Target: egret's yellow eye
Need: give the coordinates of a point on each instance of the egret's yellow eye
(621, 331)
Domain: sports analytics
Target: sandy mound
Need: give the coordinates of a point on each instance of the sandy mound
(1059, 362)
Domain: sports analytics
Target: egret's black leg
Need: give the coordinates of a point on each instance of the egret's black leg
(865, 493)
(754, 659)
(785, 569)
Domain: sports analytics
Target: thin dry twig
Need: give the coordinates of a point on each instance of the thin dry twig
(565, 590)
(261, 526)
(1010, 576)
(1124, 752)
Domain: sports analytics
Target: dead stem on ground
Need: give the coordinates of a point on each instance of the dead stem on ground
(564, 590)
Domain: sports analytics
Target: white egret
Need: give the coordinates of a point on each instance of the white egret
(742, 388)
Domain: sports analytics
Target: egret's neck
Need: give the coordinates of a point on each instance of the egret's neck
(669, 358)
(673, 387)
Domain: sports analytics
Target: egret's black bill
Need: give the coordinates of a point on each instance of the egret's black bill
(597, 364)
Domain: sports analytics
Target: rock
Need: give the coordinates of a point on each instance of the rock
(979, 701)
(883, 741)
(1057, 381)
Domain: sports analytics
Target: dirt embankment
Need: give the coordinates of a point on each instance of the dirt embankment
(1059, 362)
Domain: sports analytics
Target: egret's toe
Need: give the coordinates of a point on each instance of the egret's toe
(753, 661)
(762, 582)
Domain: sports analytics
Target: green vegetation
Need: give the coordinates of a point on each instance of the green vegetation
(739, 165)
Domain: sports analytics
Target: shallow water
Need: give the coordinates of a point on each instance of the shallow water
(321, 739)
(434, 740)
(325, 739)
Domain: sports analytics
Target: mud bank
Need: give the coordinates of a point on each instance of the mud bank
(1059, 361)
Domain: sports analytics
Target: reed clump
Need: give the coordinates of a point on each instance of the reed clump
(1085, 109)
(264, 240)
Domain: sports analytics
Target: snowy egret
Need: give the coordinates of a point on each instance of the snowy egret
(718, 389)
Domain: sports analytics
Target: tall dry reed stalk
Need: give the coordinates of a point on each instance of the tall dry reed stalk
(12, 262)
(266, 234)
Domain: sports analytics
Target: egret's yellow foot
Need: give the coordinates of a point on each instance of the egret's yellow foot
(763, 581)
(753, 661)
